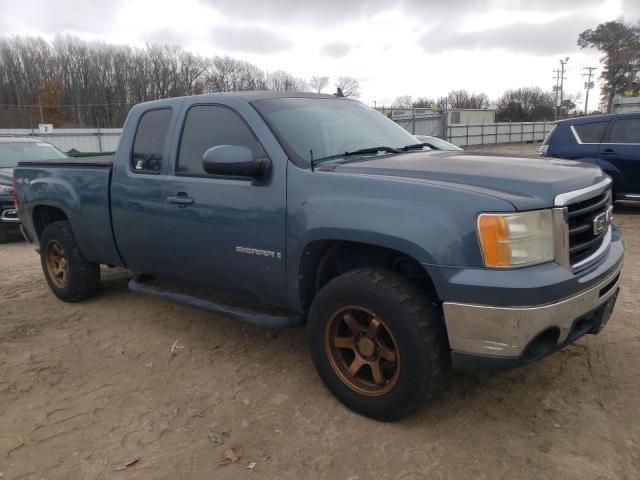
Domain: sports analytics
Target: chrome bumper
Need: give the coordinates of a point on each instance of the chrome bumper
(506, 331)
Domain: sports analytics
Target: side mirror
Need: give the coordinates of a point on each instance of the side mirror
(236, 161)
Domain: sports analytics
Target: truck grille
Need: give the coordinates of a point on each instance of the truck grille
(583, 239)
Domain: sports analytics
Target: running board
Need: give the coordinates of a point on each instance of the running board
(137, 284)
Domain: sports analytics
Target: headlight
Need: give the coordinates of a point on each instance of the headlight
(516, 239)
(6, 190)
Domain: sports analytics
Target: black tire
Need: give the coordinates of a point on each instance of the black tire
(83, 277)
(415, 325)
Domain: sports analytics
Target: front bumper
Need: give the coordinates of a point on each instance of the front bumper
(505, 335)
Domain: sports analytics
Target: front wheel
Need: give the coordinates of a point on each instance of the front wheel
(377, 342)
(68, 273)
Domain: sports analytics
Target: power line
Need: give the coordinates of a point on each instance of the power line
(588, 85)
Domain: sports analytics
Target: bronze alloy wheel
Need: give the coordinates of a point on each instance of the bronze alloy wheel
(362, 350)
(57, 264)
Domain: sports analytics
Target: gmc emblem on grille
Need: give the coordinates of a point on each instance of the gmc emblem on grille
(601, 222)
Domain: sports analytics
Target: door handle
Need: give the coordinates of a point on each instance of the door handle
(181, 199)
(608, 151)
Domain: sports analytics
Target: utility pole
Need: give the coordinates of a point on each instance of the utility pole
(40, 108)
(588, 85)
(556, 89)
(560, 78)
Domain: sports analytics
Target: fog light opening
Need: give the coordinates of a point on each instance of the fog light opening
(541, 345)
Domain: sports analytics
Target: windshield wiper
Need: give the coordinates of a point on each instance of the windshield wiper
(371, 150)
(415, 146)
(362, 151)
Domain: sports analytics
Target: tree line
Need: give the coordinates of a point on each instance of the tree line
(71, 82)
(526, 104)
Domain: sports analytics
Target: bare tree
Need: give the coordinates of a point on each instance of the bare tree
(423, 102)
(529, 104)
(403, 101)
(72, 82)
(350, 86)
(317, 84)
(464, 99)
(281, 81)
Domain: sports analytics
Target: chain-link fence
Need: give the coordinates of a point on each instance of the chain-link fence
(493, 133)
(425, 122)
(432, 124)
(64, 116)
(80, 139)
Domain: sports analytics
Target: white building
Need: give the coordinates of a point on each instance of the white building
(470, 116)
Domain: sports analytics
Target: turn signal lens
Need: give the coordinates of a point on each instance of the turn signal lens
(516, 239)
(494, 237)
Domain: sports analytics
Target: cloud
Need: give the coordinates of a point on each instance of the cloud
(91, 16)
(335, 12)
(323, 12)
(336, 49)
(249, 40)
(165, 36)
(539, 39)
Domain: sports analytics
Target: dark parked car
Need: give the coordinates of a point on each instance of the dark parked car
(399, 259)
(14, 149)
(435, 143)
(610, 141)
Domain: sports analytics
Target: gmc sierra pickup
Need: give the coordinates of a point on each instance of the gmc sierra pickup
(400, 260)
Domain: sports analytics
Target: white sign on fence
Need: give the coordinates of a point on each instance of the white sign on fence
(45, 128)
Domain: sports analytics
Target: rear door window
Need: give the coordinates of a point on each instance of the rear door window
(590, 132)
(151, 137)
(625, 131)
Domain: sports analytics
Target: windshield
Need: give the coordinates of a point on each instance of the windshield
(330, 127)
(13, 152)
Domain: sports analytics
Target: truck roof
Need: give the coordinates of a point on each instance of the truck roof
(249, 96)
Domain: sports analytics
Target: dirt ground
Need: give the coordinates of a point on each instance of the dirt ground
(131, 387)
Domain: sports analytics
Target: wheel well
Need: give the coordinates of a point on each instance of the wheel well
(324, 260)
(44, 215)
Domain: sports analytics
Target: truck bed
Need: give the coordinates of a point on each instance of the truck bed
(79, 188)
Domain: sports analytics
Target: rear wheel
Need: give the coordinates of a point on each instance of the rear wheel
(377, 342)
(68, 273)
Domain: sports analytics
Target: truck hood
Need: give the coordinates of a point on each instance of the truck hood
(527, 183)
(6, 176)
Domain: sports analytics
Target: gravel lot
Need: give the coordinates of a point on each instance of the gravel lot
(127, 386)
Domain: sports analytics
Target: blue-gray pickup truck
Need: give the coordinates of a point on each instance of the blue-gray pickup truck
(400, 260)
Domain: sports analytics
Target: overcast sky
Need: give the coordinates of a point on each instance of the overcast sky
(414, 47)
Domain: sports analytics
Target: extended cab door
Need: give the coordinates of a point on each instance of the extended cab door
(137, 200)
(620, 154)
(224, 232)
